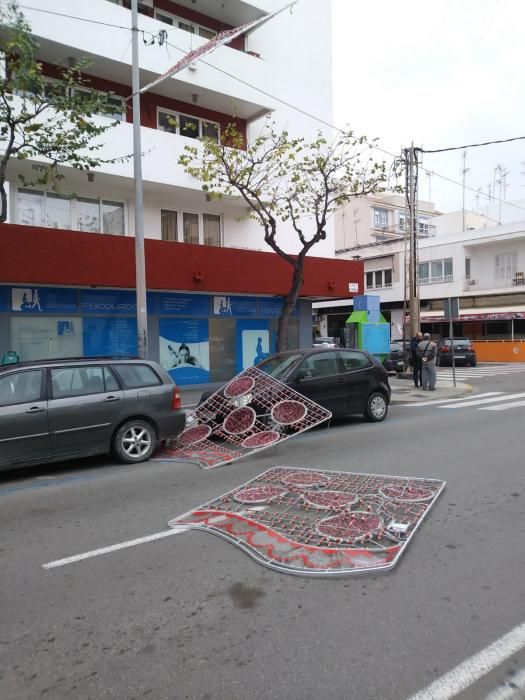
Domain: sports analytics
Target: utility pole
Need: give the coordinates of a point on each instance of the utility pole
(411, 165)
(140, 258)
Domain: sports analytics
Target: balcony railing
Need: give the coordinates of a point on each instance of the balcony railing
(387, 285)
(436, 280)
(511, 282)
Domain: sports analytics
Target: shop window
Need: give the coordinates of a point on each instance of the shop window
(222, 339)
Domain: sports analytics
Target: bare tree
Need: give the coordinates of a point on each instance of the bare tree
(287, 180)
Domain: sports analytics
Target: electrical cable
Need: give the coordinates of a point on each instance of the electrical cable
(470, 145)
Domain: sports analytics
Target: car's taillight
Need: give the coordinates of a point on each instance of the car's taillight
(470, 348)
(445, 348)
(175, 399)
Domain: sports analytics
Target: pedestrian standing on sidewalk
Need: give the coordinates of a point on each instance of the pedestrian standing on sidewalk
(417, 364)
(427, 353)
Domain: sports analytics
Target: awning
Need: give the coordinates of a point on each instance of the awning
(493, 313)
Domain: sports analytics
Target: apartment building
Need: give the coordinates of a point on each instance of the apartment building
(210, 285)
(483, 267)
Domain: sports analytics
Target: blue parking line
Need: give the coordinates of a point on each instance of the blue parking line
(43, 485)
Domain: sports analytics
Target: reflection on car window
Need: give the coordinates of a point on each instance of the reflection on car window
(320, 365)
(135, 376)
(21, 387)
(77, 381)
(109, 379)
(278, 366)
(354, 360)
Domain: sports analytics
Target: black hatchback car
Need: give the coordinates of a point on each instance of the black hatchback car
(345, 382)
(398, 359)
(464, 353)
(56, 409)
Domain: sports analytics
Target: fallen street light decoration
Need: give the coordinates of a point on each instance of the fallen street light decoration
(314, 522)
(251, 413)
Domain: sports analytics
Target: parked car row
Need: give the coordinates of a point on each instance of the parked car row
(56, 409)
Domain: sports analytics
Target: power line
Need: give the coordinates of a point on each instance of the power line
(471, 145)
(81, 19)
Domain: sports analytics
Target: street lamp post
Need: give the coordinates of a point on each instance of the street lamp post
(140, 258)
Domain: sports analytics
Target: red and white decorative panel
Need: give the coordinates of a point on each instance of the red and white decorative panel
(251, 413)
(317, 522)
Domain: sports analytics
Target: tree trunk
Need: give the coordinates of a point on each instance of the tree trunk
(289, 305)
(3, 203)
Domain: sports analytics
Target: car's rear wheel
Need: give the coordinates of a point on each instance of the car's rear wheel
(376, 407)
(134, 441)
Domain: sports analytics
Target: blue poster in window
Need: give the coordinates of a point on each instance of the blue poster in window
(112, 301)
(252, 343)
(272, 307)
(184, 349)
(4, 295)
(48, 300)
(109, 336)
(184, 304)
(234, 306)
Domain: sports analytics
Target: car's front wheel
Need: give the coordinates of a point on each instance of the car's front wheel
(134, 441)
(376, 407)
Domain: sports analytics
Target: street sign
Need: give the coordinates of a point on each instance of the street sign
(451, 308)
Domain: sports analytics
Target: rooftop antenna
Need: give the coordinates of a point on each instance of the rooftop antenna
(464, 171)
(429, 176)
(477, 196)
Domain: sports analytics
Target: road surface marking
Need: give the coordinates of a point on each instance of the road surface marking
(512, 689)
(503, 406)
(113, 548)
(476, 402)
(471, 670)
(464, 398)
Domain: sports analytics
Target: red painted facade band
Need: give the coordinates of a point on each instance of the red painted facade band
(35, 255)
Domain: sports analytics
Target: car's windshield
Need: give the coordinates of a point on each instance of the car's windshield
(278, 365)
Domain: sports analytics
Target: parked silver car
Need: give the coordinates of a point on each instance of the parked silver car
(56, 409)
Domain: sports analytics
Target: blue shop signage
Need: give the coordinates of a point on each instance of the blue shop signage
(118, 301)
(235, 306)
(184, 304)
(4, 297)
(48, 300)
(109, 336)
(272, 307)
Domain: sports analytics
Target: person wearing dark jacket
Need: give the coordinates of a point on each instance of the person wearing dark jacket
(417, 362)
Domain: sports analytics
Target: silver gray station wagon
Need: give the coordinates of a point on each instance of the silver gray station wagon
(56, 409)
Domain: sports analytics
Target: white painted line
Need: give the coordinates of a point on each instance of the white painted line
(503, 406)
(471, 670)
(113, 548)
(478, 403)
(464, 398)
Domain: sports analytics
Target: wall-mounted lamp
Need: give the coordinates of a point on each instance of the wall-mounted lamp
(195, 98)
(331, 285)
(198, 276)
(357, 258)
(91, 177)
(71, 61)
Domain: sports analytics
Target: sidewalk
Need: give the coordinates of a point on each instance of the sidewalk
(403, 391)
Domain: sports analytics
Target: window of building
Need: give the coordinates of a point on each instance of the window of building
(506, 266)
(185, 125)
(52, 210)
(190, 227)
(168, 225)
(115, 105)
(422, 227)
(436, 271)
(379, 279)
(184, 24)
(467, 268)
(380, 218)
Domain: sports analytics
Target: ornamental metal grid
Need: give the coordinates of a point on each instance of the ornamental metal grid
(314, 522)
(252, 412)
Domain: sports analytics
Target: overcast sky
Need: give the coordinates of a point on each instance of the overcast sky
(440, 73)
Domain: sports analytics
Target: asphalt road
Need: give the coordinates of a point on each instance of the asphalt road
(191, 616)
